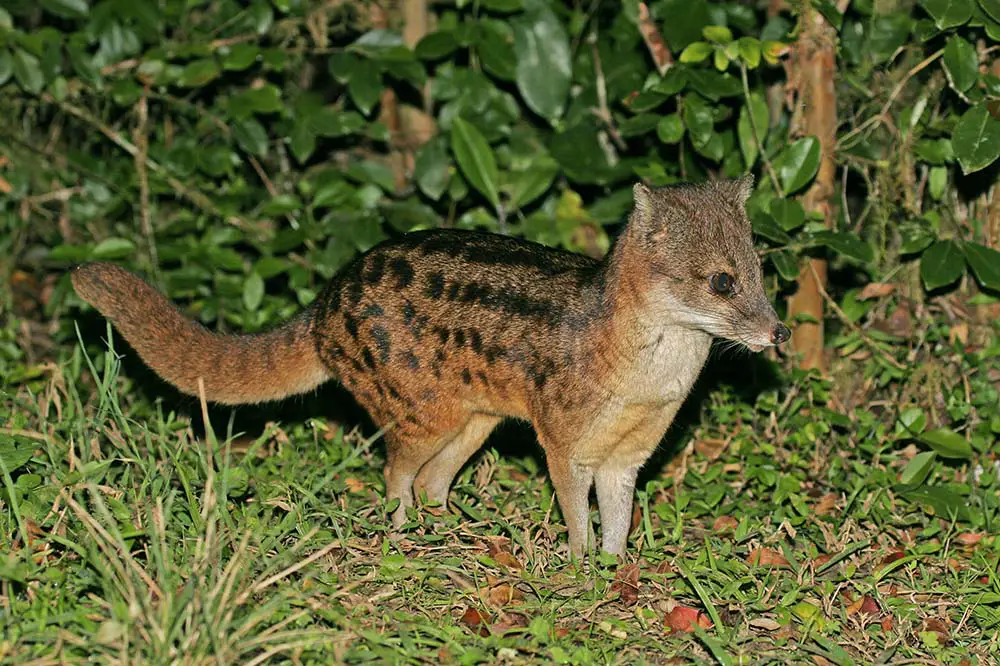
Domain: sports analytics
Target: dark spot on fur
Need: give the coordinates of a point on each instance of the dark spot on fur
(403, 272)
(459, 337)
(466, 376)
(410, 418)
(439, 356)
(382, 341)
(351, 324)
(540, 379)
(354, 292)
(476, 340)
(354, 364)
(435, 285)
(366, 354)
(376, 269)
(453, 290)
(412, 360)
(482, 377)
(372, 310)
(443, 334)
(494, 352)
(409, 312)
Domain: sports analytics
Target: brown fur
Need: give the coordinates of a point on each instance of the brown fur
(440, 335)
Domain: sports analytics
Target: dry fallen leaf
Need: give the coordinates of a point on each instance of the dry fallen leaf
(968, 538)
(355, 486)
(826, 504)
(626, 584)
(476, 620)
(890, 558)
(724, 523)
(503, 594)
(684, 618)
(765, 557)
(767, 624)
(939, 627)
(509, 621)
(502, 556)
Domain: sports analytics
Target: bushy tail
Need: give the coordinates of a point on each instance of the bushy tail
(235, 368)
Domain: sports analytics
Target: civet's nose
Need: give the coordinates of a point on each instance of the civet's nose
(780, 334)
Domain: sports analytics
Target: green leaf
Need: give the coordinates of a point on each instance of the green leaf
(6, 66)
(433, 168)
(787, 264)
(947, 443)
(788, 213)
(919, 467)
(698, 119)
(302, 141)
(764, 225)
(985, 264)
(976, 139)
(527, 185)
(945, 503)
(113, 248)
(496, 49)
(719, 34)
(67, 8)
(797, 164)
(758, 111)
(749, 49)
(544, 70)
(948, 13)
(240, 56)
(198, 73)
(14, 455)
(251, 136)
(28, 71)
(941, 264)
(992, 9)
(253, 291)
(670, 129)
(436, 45)
(961, 62)
(696, 52)
(847, 245)
(365, 84)
(475, 159)
(638, 125)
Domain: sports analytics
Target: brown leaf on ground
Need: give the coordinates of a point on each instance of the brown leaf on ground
(626, 584)
(508, 622)
(476, 620)
(765, 557)
(710, 448)
(826, 504)
(887, 623)
(939, 627)
(821, 560)
(664, 567)
(875, 290)
(968, 538)
(725, 523)
(503, 595)
(685, 618)
(765, 623)
(865, 604)
(890, 558)
(355, 486)
(501, 555)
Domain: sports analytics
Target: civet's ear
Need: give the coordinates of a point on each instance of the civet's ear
(642, 211)
(743, 188)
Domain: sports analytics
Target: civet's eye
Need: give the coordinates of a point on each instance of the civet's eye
(722, 283)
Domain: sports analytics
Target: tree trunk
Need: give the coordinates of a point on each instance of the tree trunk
(816, 114)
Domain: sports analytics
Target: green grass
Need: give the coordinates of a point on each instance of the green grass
(129, 535)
